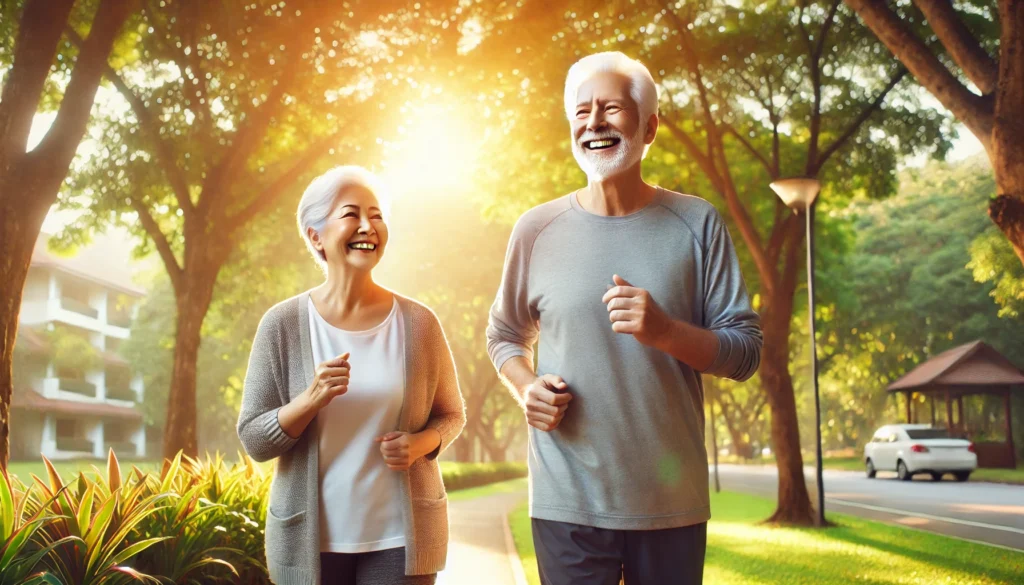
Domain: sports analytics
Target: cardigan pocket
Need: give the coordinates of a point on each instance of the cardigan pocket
(284, 538)
(431, 522)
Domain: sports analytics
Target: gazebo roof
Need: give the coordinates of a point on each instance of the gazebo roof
(972, 364)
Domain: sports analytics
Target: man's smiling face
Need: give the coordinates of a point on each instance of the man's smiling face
(607, 133)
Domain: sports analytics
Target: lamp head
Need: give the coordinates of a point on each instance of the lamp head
(797, 193)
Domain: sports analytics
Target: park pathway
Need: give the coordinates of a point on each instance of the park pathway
(478, 551)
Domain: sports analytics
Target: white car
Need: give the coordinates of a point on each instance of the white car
(911, 449)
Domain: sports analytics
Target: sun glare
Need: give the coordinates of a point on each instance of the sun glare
(435, 149)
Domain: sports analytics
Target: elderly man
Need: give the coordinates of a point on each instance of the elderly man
(635, 292)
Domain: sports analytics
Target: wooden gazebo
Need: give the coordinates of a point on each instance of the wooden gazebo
(974, 368)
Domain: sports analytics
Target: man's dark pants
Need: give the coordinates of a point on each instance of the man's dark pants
(571, 554)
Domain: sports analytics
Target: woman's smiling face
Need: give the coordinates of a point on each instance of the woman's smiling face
(354, 234)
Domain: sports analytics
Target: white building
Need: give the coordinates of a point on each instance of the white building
(65, 411)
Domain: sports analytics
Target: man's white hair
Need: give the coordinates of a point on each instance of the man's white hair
(642, 88)
(320, 196)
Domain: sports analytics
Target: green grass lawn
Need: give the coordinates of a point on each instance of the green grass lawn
(23, 470)
(999, 475)
(502, 487)
(743, 552)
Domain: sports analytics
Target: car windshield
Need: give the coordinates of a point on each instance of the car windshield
(928, 434)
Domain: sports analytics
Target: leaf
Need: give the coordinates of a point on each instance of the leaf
(55, 480)
(136, 548)
(113, 471)
(6, 506)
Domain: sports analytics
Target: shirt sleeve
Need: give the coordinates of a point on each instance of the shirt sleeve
(727, 311)
(258, 427)
(448, 412)
(512, 327)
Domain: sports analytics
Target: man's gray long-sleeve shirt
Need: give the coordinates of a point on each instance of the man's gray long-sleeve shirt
(629, 454)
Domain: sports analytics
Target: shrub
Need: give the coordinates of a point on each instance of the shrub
(460, 476)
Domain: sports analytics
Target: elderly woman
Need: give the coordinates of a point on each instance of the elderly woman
(352, 388)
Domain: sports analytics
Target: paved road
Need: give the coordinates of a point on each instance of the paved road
(477, 547)
(986, 512)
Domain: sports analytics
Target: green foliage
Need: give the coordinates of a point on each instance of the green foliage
(993, 260)
(215, 523)
(912, 294)
(20, 552)
(460, 476)
(93, 524)
(72, 350)
(196, 521)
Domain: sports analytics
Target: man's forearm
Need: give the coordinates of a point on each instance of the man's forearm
(517, 373)
(694, 346)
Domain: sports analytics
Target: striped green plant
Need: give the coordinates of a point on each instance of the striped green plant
(202, 531)
(90, 531)
(21, 554)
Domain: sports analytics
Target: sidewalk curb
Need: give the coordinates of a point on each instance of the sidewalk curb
(514, 561)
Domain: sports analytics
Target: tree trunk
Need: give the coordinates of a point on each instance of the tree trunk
(19, 229)
(794, 503)
(193, 304)
(1007, 152)
(464, 448)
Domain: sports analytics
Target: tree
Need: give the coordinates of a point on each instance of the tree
(955, 53)
(233, 108)
(30, 179)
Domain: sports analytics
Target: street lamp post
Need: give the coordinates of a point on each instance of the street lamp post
(800, 194)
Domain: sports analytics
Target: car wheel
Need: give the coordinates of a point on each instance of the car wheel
(962, 475)
(869, 468)
(936, 476)
(902, 472)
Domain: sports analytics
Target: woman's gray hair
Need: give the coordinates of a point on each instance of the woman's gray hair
(320, 196)
(642, 88)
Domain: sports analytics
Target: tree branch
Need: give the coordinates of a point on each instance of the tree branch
(61, 141)
(791, 266)
(694, 151)
(750, 147)
(34, 49)
(825, 28)
(861, 118)
(780, 228)
(979, 67)
(725, 185)
(164, 152)
(163, 246)
(266, 198)
(248, 138)
(976, 112)
(187, 16)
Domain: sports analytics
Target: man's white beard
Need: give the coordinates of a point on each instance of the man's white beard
(598, 166)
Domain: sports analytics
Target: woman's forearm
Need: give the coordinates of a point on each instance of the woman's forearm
(295, 416)
(425, 442)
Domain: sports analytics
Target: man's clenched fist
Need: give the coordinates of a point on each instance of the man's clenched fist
(545, 401)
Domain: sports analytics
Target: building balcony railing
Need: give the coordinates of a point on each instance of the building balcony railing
(118, 320)
(121, 392)
(76, 306)
(74, 444)
(77, 386)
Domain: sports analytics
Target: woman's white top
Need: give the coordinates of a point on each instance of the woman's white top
(360, 509)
